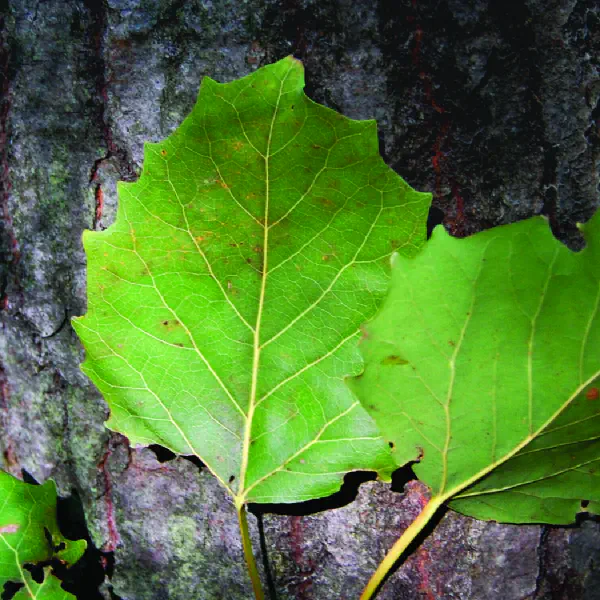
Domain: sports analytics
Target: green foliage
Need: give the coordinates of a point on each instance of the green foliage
(29, 534)
(225, 303)
(496, 370)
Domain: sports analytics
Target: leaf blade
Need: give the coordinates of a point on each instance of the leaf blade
(27, 512)
(496, 377)
(214, 324)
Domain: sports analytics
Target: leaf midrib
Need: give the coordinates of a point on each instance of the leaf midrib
(241, 493)
(456, 490)
(454, 493)
(529, 481)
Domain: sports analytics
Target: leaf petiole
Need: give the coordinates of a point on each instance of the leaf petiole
(248, 553)
(403, 542)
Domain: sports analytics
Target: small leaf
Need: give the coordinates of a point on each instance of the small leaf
(48, 589)
(501, 337)
(226, 301)
(29, 534)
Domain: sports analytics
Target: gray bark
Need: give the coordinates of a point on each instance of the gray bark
(492, 106)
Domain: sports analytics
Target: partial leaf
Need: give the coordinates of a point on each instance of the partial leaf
(226, 301)
(29, 534)
(48, 589)
(485, 364)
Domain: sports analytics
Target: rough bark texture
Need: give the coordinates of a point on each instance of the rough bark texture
(491, 105)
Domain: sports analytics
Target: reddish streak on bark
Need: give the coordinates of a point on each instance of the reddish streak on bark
(439, 156)
(422, 558)
(457, 224)
(5, 183)
(417, 47)
(108, 135)
(11, 461)
(113, 534)
(111, 148)
(416, 60)
(416, 497)
(103, 84)
(306, 568)
(99, 196)
(104, 563)
(426, 79)
(296, 539)
(416, 51)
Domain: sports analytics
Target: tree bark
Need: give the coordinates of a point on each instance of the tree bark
(491, 105)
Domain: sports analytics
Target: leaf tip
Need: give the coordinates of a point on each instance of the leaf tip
(295, 61)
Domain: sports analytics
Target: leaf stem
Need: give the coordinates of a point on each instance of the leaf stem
(248, 554)
(403, 542)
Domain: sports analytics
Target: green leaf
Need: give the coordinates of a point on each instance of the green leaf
(225, 303)
(485, 363)
(29, 534)
(49, 589)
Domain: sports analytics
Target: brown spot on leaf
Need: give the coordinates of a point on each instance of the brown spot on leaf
(163, 152)
(592, 394)
(394, 359)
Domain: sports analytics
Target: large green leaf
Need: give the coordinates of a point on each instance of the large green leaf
(485, 363)
(226, 301)
(29, 534)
